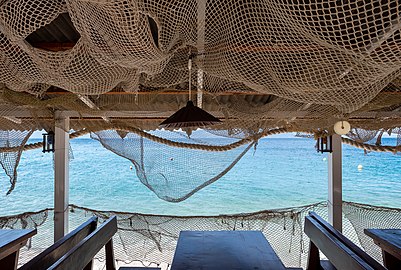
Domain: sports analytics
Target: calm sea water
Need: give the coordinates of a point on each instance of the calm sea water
(282, 172)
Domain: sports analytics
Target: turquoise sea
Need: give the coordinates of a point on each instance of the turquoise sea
(282, 172)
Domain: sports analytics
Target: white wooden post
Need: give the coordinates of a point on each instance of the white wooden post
(200, 45)
(335, 200)
(61, 176)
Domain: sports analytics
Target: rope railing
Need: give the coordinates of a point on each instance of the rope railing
(162, 140)
(371, 147)
(361, 145)
(200, 146)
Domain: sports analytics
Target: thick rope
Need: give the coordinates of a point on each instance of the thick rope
(162, 140)
(200, 146)
(370, 147)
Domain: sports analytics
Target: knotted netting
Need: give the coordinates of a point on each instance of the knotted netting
(307, 64)
(368, 216)
(9, 160)
(145, 239)
(172, 164)
(177, 164)
(321, 61)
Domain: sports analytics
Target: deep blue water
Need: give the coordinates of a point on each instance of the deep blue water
(282, 172)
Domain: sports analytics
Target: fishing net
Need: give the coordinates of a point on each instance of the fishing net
(12, 145)
(9, 160)
(367, 216)
(173, 173)
(258, 65)
(177, 164)
(153, 238)
(299, 65)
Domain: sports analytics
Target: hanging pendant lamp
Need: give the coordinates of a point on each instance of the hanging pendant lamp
(189, 116)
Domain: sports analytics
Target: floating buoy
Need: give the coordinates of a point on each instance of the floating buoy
(130, 167)
(360, 167)
(171, 158)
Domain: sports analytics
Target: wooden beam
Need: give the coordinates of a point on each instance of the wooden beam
(22, 114)
(54, 46)
(165, 92)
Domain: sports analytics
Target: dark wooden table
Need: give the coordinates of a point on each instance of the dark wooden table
(220, 250)
(10, 243)
(389, 240)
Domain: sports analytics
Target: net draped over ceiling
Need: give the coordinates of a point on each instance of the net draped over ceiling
(324, 59)
(117, 66)
(260, 65)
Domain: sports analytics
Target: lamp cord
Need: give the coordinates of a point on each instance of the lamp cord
(189, 81)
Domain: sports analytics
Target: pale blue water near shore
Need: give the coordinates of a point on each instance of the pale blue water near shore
(282, 172)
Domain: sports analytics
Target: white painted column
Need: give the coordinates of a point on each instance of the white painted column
(335, 200)
(61, 176)
(200, 45)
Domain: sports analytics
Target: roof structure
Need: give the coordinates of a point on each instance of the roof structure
(258, 64)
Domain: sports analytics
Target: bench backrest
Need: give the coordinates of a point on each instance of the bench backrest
(83, 253)
(53, 253)
(340, 251)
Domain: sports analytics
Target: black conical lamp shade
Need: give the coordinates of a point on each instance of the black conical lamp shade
(189, 116)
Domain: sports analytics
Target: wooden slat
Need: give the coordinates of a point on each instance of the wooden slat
(341, 252)
(11, 240)
(340, 255)
(389, 238)
(313, 257)
(347, 242)
(10, 243)
(83, 253)
(54, 46)
(218, 250)
(10, 262)
(49, 256)
(110, 261)
(165, 93)
(327, 265)
(58, 46)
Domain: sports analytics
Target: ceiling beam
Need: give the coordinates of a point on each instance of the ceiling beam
(54, 46)
(164, 92)
(300, 115)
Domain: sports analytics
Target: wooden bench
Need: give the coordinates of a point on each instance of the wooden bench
(83, 253)
(49, 256)
(340, 251)
(77, 249)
